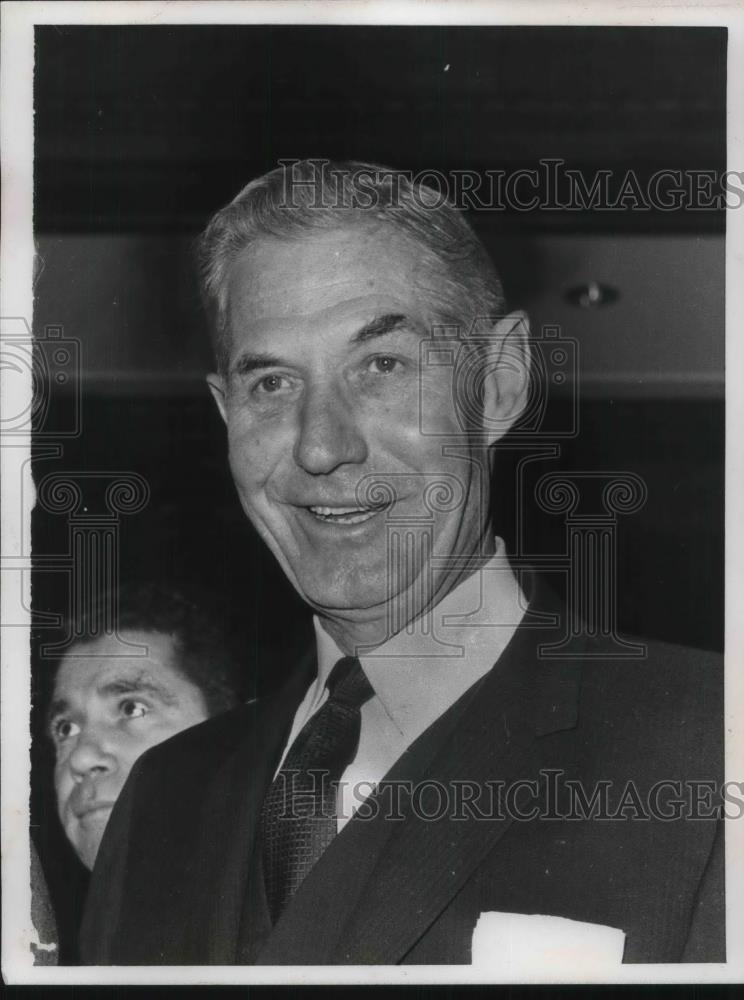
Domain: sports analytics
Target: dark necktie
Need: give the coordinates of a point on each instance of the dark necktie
(298, 819)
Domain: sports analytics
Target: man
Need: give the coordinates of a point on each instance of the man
(357, 816)
(109, 705)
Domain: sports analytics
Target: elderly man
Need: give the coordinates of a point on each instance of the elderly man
(399, 798)
(108, 707)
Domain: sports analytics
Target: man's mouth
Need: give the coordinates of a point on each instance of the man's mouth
(344, 515)
(90, 809)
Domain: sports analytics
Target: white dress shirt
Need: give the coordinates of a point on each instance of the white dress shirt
(418, 675)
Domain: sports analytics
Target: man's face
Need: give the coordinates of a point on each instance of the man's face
(107, 709)
(321, 391)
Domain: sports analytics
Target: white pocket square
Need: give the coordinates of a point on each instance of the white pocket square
(507, 943)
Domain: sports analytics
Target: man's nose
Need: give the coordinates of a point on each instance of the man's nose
(328, 433)
(91, 755)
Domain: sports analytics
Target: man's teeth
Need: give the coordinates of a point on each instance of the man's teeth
(343, 515)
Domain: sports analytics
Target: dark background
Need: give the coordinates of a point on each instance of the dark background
(141, 133)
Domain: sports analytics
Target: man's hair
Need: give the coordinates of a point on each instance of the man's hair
(205, 652)
(310, 195)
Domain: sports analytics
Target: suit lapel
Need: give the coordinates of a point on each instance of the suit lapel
(370, 897)
(310, 927)
(496, 739)
(228, 818)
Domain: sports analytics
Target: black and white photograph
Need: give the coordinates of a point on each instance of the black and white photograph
(370, 493)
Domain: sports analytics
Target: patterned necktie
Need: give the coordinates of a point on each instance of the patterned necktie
(298, 819)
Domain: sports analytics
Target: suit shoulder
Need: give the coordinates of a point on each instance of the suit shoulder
(671, 656)
(667, 703)
(674, 674)
(200, 748)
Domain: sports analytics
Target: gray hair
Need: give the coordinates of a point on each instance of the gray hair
(305, 195)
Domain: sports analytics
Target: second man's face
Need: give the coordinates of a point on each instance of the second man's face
(107, 709)
(322, 402)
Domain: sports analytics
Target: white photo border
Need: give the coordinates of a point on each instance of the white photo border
(16, 258)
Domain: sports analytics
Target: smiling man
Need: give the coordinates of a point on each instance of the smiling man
(320, 394)
(402, 785)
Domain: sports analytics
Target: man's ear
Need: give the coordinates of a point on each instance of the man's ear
(506, 383)
(217, 387)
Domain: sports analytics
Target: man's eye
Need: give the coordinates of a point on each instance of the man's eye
(383, 364)
(132, 709)
(64, 729)
(271, 383)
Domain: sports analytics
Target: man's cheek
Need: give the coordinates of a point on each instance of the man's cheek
(62, 798)
(62, 788)
(254, 452)
(247, 463)
(253, 495)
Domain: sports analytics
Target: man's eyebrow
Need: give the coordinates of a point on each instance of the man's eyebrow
(143, 684)
(248, 363)
(379, 326)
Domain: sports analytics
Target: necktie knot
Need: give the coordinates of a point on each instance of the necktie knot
(347, 683)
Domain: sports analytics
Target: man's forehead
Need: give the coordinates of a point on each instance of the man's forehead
(353, 321)
(275, 274)
(78, 673)
(306, 299)
(96, 664)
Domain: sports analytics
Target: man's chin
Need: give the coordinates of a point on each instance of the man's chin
(359, 597)
(347, 601)
(87, 836)
(87, 850)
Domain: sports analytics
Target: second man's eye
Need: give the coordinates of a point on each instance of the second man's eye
(64, 729)
(132, 709)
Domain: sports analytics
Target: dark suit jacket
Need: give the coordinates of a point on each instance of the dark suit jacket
(178, 880)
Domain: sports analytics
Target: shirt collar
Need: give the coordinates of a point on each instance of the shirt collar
(418, 675)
